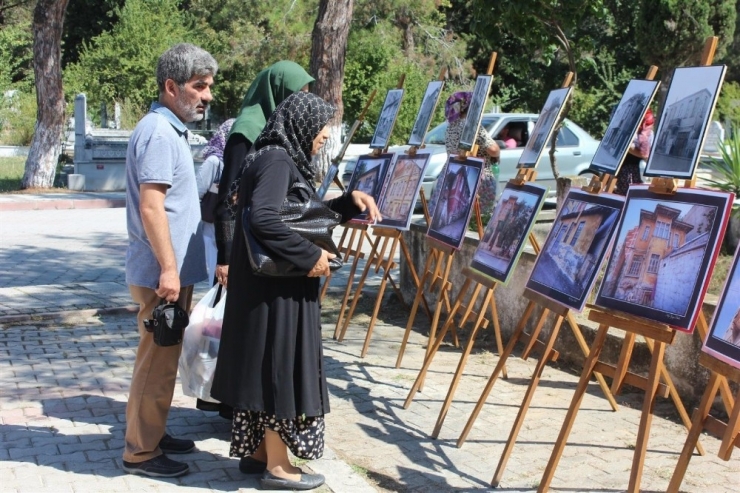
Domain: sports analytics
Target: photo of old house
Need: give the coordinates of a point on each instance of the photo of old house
(387, 119)
(575, 248)
(664, 254)
(426, 112)
(398, 199)
(455, 202)
(723, 339)
(623, 125)
(682, 126)
(544, 127)
(507, 230)
(475, 111)
(369, 177)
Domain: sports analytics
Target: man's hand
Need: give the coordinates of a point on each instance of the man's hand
(169, 286)
(222, 274)
(322, 265)
(366, 203)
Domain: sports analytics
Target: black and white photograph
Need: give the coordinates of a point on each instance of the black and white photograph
(475, 111)
(426, 112)
(664, 254)
(544, 127)
(507, 231)
(723, 339)
(369, 177)
(623, 125)
(568, 264)
(401, 190)
(455, 203)
(687, 111)
(387, 119)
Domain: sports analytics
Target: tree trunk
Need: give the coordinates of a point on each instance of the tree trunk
(48, 19)
(328, 50)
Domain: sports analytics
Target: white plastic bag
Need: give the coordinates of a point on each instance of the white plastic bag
(200, 346)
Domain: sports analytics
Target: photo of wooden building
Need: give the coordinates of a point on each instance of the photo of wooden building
(397, 203)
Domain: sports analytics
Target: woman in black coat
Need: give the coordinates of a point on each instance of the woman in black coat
(270, 367)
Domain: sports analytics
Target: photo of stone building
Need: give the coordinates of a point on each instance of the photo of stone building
(544, 127)
(723, 340)
(454, 205)
(426, 112)
(369, 176)
(688, 109)
(575, 248)
(475, 111)
(387, 119)
(623, 125)
(403, 183)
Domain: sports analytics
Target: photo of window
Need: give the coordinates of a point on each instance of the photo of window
(426, 112)
(369, 177)
(623, 125)
(507, 231)
(664, 254)
(398, 199)
(544, 127)
(567, 266)
(387, 119)
(475, 111)
(455, 202)
(723, 339)
(688, 108)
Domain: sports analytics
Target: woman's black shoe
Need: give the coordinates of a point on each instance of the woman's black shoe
(207, 406)
(307, 482)
(248, 465)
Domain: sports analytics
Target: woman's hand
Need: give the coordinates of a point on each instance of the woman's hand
(322, 265)
(366, 203)
(222, 274)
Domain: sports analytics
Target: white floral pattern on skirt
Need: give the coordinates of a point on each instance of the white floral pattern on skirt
(304, 435)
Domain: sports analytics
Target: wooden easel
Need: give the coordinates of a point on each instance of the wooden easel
(440, 255)
(377, 259)
(728, 432)
(657, 335)
(531, 342)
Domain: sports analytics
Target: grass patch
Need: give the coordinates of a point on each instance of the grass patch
(11, 173)
(721, 269)
(359, 470)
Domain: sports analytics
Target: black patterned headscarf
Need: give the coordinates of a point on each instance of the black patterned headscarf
(293, 126)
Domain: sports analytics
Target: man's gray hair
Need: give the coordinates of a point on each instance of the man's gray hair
(182, 62)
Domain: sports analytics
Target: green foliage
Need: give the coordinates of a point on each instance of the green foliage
(18, 118)
(728, 105)
(121, 63)
(16, 53)
(11, 172)
(83, 21)
(727, 170)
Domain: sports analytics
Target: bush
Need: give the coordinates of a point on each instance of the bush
(18, 119)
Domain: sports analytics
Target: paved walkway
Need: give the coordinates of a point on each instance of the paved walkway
(64, 384)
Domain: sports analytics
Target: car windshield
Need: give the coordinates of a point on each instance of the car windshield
(437, 134)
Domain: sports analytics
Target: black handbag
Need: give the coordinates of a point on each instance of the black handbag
(311, 218)
(209, 201)
(167, 324)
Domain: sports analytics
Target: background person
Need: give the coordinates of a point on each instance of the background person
(639, 150)
(271, 86)
(270, 361)
(165, 255)
(456, 109)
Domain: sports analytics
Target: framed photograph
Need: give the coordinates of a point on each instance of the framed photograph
(683, 124)
(455, 202)
(475, 111)
(723, 339)
(369, 177)
(426, 112)
(567, 266)
(398, 199)
(331, 173)
(623, 126)
(387, 119)
(664, 254)
(544, 127)
(507, 230)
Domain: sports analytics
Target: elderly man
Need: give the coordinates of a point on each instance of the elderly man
(165, 255)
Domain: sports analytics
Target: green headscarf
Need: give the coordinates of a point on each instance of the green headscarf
(269, 89)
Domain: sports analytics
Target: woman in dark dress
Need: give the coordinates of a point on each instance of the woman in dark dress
(270, 367)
